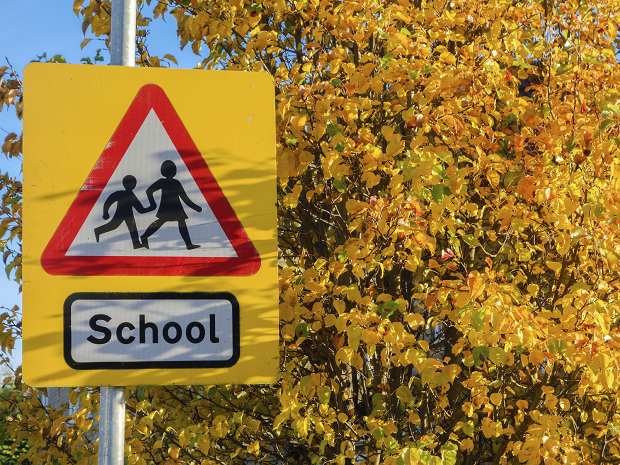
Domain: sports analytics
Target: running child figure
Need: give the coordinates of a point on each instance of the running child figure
(126, 201)
(170, 206)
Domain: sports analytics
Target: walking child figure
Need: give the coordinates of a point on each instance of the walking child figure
(170, 206)
(126, 201)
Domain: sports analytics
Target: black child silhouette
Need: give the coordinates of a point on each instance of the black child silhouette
(170, 207)
(126, 201)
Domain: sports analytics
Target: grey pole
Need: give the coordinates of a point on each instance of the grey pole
(112, 403)
(123, 33)
(112, 426)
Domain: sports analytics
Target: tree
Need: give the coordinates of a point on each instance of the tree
(448, 228)
(10, 450)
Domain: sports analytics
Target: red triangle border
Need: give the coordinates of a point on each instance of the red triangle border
(54, 259)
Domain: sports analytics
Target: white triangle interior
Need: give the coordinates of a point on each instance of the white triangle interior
(143, 159)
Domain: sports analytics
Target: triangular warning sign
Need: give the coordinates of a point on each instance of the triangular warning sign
(150, 206)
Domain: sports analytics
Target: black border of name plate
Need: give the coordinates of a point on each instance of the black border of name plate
(149, 296)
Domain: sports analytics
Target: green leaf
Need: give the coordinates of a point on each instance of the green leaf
(403, 393)
(564, 68)
(385, 59)
(340, 146)
(409, 167)
(383, 34)
(480, 354)
(449, 454)
(438, 193)
(570, 144)
(441, 171)
(478, 318)
(10, 267)
(497, 355)
(593, 60)
(333, 129)
(427, 69)
(391, 308)
(598, 210)
(445, 156)
(425, 457)
(343, 257)
(302, 330)
(608, 106)
(471, 240)
(340, 185)
(378, 433)
(464, 308)
(552, 346)
(545, 111)
(468, 428)
(392, 445)
(521, 64)
(512, 177)
(562, 346)
(290, 140)
(322, 446)
(98, 56)
(324, 393)
(336, 82)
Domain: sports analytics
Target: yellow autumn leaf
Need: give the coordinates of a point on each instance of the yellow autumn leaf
(449, 120)
(254, 448)
(493, 177)
(77, 5)
(467, 445)
(291, 200)
(476, 286)
(403, 393)
(450, 372)
(462, 299)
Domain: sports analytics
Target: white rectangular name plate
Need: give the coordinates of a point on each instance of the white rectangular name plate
(114, 330)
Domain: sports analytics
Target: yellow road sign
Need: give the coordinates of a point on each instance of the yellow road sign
(149, 241)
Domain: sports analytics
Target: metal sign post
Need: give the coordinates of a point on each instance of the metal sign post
(112, 402)
(112, 425)
(123, 33)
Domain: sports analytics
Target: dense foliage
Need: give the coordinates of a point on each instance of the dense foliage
(448, 226)
(10, 450)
